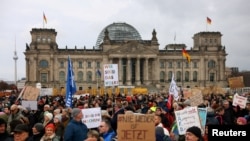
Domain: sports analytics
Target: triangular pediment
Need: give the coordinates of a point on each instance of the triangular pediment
(132, 48)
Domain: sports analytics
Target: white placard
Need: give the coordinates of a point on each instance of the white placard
(31, 104)
(46, 91)
(111, 75)
(186, 118)
(92, 117)
(239, 100)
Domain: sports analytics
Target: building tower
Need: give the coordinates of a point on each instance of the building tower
(15, 57)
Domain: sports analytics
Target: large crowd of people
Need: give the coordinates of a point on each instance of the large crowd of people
(52, 121)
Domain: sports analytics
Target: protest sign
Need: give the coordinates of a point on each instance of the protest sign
(29, 104)
(239, 100)
(31, 93)
(186, 118)
(92, 117)
(136, 127)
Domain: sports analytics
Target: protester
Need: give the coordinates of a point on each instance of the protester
(3, 130)
(241, 121)
(158, 123)
(38, 131)
(76, 130)
(93, 135)
(59, 127)
(50, 134)
(21, 133)
(193, 134)
(106, 130)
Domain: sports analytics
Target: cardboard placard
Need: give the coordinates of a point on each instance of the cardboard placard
(31, 93)
(136, 127)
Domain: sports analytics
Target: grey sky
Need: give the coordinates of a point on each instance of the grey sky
(79, 22)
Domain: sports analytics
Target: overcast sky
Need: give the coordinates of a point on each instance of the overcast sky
(79, 22)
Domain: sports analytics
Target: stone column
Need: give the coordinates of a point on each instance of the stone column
(137, 74)
(128, 71)
(146, 71)
(84, 71)
(120, 74)
(37, 76)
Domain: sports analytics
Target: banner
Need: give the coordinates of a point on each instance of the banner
(111, 75)
(173, 89)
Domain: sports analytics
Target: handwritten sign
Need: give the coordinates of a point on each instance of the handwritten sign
(136, 127)
(236, 82)
(92, 117)
(46, 91)
(31, 93)
(239, 100)
(111, 75)
(30, 104)
(196, 98)
(186, 118)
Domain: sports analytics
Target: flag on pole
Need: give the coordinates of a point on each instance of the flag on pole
(70, 85)
(99, 73)
(173, 89)
(44, 18)
(209, 21)
(185, 54)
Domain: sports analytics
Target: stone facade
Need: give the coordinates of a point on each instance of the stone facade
(140, 62)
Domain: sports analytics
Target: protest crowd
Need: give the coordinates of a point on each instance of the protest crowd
(53, 121)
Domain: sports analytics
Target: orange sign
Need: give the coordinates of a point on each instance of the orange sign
(236, 82)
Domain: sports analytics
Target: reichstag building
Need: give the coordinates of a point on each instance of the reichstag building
(141, 63)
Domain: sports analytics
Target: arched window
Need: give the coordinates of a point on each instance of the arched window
(162, 76)
(186, 76)
(89, 77)
(178, 76)
(80, 76)
(62, 76)
(170, 73)
(44, 64)
(195, 76)
(211, 64)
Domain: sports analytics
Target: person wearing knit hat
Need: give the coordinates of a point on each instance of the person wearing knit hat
(38, 131)
(59, 126)
(241, 121)
(50, 133)
(76, 130)
(48, 118)
(193, 134)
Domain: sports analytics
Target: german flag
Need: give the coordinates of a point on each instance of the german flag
(209, 21)
(185, 54)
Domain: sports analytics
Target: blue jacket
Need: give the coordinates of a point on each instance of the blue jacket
(109, 135)
(75, 131)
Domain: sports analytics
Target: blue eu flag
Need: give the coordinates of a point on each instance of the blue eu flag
(70, 85)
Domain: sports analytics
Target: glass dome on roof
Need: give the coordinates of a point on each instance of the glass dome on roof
(119, 31)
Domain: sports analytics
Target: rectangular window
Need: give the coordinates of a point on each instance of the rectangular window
(170, 65)
(195, 65)
(178, 64)
(61, 64)
(98, 65)
(44, 77)
(211, 77)
(89, 64)
(162, 65)
(80, 64)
